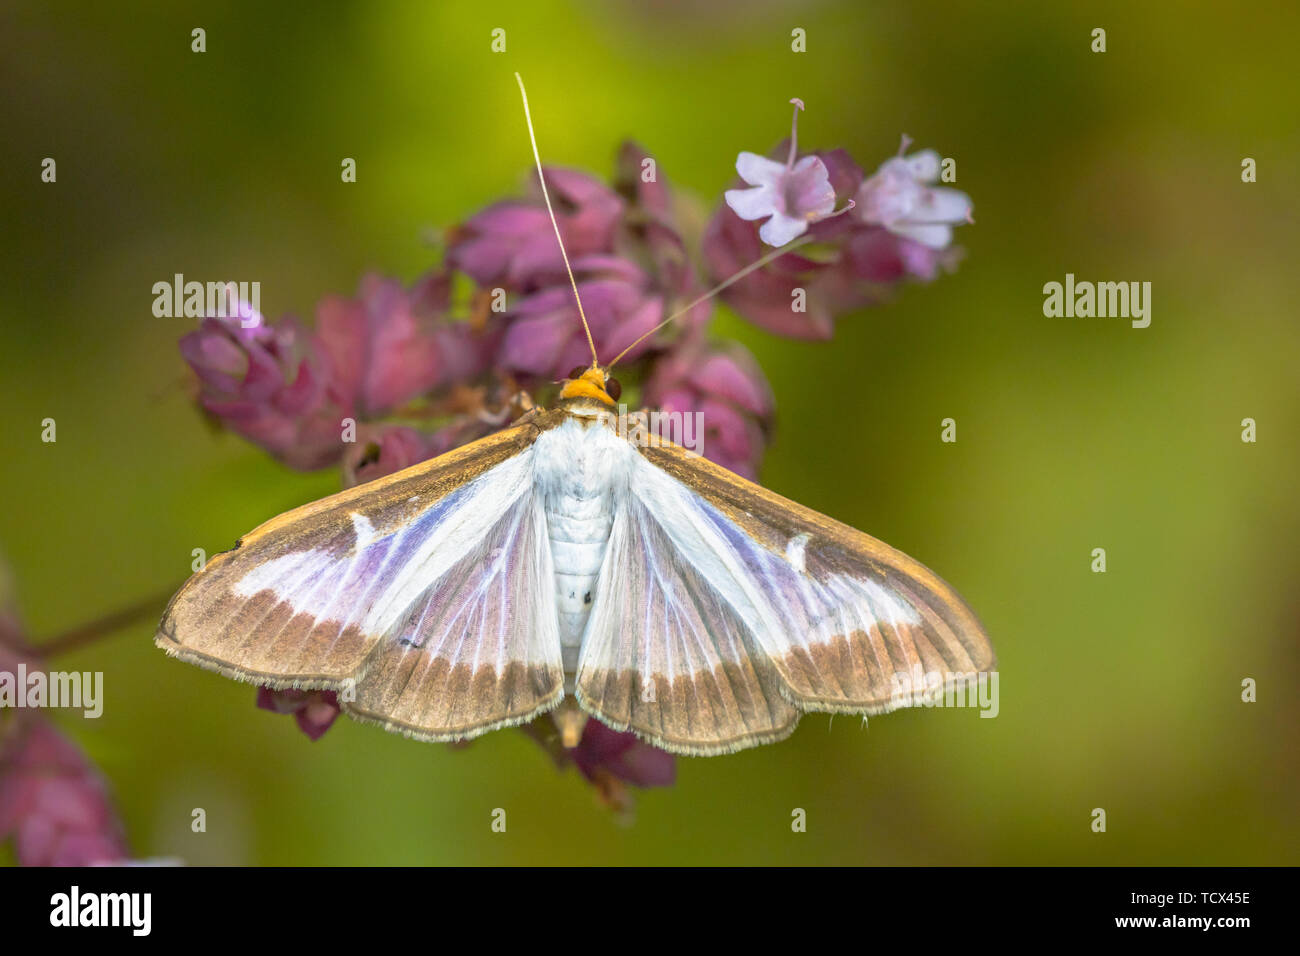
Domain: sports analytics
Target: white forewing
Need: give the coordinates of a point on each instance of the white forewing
(704, 638)
(431, 601)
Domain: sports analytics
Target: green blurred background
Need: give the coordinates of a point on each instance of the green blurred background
(1119, 690)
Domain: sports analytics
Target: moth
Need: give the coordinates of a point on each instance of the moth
(558, 566)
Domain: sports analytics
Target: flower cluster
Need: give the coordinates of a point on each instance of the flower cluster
(54, 805)
(628, 259)
(891, 226)
(296, 391)
(396, 375)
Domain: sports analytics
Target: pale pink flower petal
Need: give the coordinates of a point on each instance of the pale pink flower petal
(751, 204)
(934, 235)
(758, 170)
(924, 166)
(781, 229)
(900, 198)
(793, 194)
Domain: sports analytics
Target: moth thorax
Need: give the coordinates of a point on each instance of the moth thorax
(593, 383)
(569, 721)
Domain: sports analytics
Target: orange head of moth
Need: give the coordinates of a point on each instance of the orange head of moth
(591, 382)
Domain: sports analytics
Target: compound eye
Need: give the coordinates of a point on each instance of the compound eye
(577, 371)
(612, 388)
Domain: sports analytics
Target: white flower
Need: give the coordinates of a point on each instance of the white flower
(900, 197)
(793, 194)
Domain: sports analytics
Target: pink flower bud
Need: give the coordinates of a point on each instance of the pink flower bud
(314, 710)
(545, 337)
(512, 243)
(385, 449)
(622, 756)
(728, 390)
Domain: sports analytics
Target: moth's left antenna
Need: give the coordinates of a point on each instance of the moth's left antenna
(541, 178)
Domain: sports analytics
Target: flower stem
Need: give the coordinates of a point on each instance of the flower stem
(92, 631)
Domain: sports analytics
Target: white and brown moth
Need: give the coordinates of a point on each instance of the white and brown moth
(556, 566)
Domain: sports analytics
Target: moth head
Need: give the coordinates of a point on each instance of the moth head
(592, 382)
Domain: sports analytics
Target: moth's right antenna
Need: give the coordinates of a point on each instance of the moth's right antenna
(724, 284)
(595, 362)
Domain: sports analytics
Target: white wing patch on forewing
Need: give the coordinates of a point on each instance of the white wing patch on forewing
(274, 574)
(363, 529)
(795, 549)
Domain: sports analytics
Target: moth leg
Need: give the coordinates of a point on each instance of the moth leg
(529, 409)
(518, 409)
